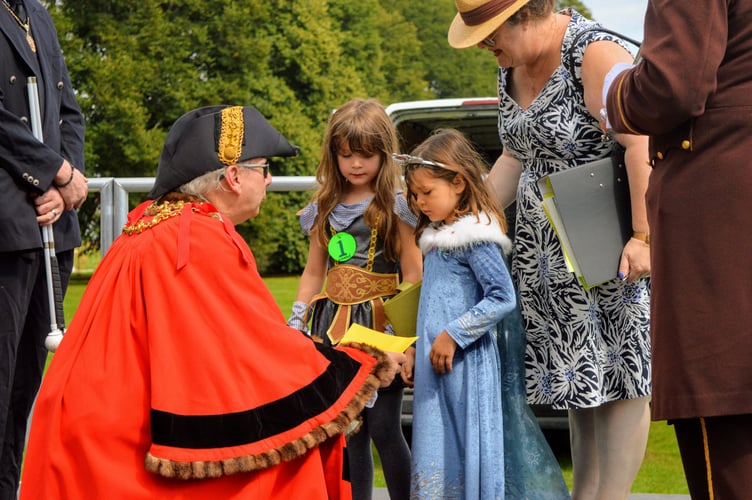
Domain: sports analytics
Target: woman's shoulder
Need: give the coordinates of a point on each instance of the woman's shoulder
(580, 33)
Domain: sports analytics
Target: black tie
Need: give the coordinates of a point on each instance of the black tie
(18, 8)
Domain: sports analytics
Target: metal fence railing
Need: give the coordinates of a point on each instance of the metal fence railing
(115, 191)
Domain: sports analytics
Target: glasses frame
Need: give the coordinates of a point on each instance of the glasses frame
(490, 40)
(405, 161)
(264, 166)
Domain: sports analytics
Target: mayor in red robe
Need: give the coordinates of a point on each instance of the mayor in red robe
(178, 377)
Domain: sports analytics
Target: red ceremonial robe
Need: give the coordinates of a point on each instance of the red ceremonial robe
(178, 378)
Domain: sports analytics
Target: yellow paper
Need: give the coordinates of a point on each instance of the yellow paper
(549, 207)
(364, 335)
(402, 309)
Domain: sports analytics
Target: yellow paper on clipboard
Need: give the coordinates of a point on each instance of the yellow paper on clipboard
(382, 341)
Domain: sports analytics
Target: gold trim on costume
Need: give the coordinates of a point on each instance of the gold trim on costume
(620, 108)
(706, 449)
(231, 135)
(348, 284)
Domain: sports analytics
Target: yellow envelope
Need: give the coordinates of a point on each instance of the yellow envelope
(364, 335)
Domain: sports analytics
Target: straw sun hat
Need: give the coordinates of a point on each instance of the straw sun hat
(477, 19)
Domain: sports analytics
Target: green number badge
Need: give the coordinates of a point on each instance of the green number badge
(342, 247)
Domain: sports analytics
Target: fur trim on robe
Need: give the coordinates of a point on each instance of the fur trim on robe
(465, 232)
(212, 469)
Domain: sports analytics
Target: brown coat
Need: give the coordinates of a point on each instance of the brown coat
(692, 94)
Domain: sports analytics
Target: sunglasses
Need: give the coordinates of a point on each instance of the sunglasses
(264, 166)
(408, 162)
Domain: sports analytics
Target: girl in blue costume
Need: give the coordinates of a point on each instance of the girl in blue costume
(362, 246)
(467, 400)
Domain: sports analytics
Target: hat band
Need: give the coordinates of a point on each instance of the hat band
(485, 12)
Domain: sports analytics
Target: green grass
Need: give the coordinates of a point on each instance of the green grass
(661, 471)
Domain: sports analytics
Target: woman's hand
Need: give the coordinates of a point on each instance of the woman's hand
(442, 353)
(635, 260)
(408, 367)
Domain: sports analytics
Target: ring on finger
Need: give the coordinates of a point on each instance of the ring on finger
(54, 212)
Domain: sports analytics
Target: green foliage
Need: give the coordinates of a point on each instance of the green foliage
(138, 66)
(576, 5)
(449, 72)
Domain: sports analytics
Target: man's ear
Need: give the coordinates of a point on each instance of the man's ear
(232, 178)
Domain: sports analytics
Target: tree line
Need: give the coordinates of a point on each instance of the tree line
(138, 66)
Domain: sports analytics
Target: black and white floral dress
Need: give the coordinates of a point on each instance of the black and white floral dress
(584, 347)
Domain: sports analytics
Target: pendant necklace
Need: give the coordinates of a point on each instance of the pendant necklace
(25, 25)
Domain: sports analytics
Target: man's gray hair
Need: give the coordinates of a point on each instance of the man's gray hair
(201, 185)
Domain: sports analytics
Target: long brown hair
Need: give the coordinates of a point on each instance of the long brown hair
(451, 148)
(362, 125)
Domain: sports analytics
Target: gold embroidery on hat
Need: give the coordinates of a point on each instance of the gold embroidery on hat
(231, 135)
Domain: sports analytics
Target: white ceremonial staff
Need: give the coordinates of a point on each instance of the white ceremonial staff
(54, 285)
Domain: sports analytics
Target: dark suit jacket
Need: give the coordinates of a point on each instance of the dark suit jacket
(693, 95)
(26, 166)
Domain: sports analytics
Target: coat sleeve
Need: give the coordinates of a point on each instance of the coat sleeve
(684, 46)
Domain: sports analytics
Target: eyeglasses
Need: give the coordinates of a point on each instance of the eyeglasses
(409, 161)
(264, 166)
(490, 41)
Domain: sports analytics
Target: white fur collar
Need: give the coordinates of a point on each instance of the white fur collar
(463, 233)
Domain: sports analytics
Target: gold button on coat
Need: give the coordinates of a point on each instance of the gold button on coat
(686, 144)
(659, 155)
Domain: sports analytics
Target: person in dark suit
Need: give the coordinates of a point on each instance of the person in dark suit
(692, 93)
(40, 184)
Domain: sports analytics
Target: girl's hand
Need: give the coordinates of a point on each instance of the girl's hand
(442, 353)
(408, 367)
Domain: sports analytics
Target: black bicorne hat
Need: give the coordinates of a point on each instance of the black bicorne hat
(213, 137)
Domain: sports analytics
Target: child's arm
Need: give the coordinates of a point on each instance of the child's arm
(311, 282)
(487, 264)
(411, 260)
(408, 367)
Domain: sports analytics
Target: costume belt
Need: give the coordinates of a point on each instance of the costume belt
(347, 285)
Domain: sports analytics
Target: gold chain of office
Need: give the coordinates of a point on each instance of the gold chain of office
(159, 213)
(25, 25)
